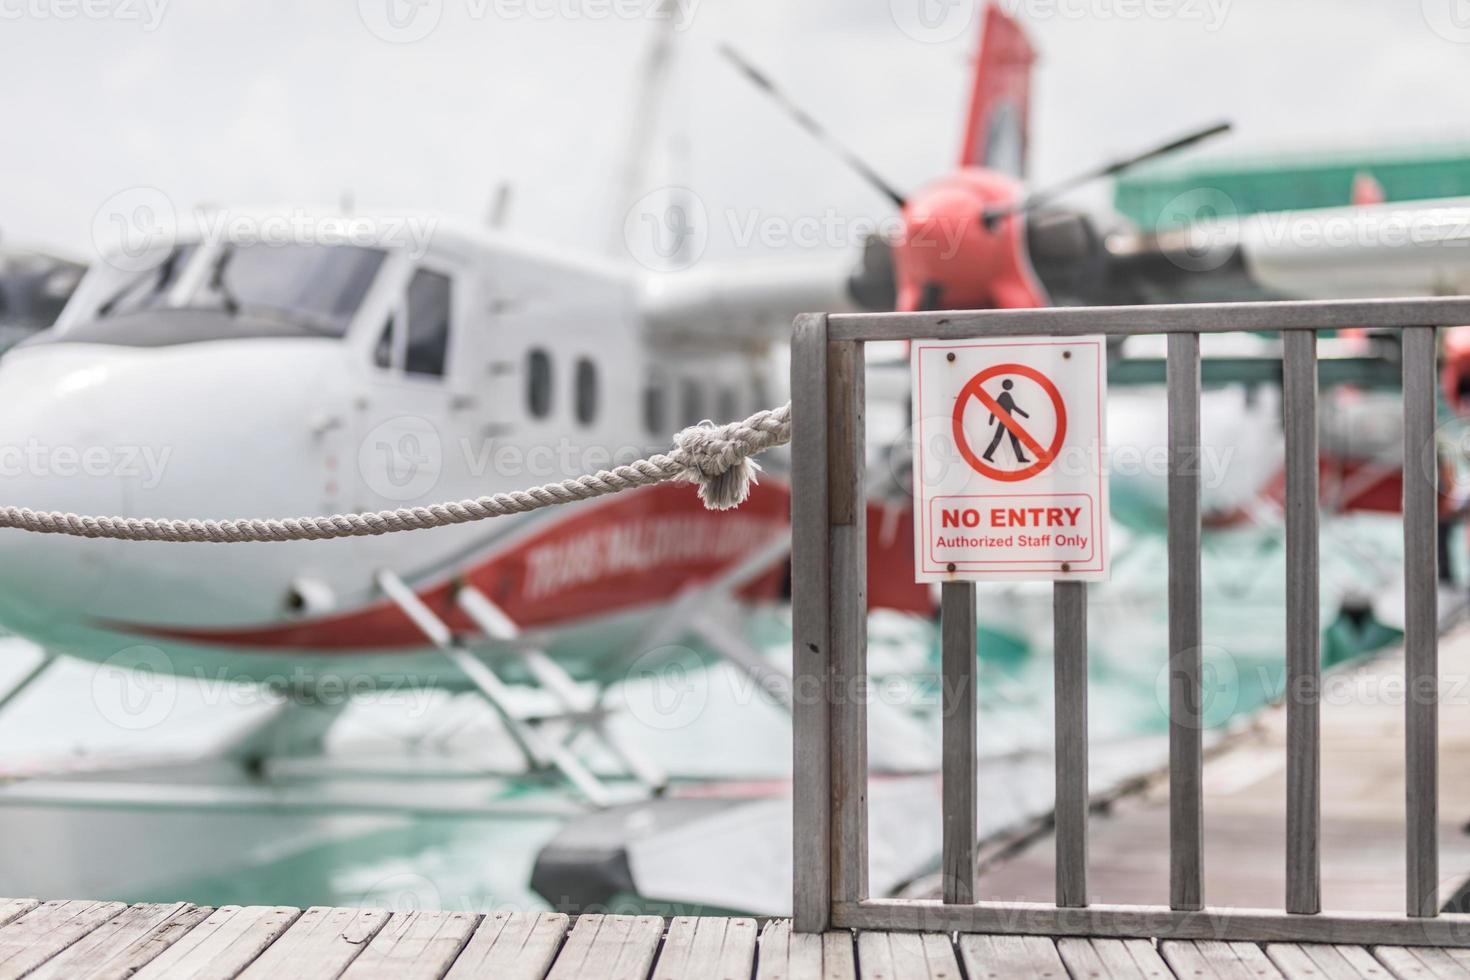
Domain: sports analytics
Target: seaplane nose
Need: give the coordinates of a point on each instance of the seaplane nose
(60, 449)
(198, 430)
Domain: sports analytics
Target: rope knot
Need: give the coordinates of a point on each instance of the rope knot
(718, 457)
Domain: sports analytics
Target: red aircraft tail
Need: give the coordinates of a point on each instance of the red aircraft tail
(998, 129)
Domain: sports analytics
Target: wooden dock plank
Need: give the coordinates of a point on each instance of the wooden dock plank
(1113, 958)
(1411, 963)
(1402, 963)
(773, 962)
(512, 946)
(414, 946)
(1315, 961)
(46, 930)
(1246, 789)
(784, 955)
(707, 948)
(320, 944)
(226, 942)
(1253, 958)
(112, 941)
(1140, 952)
(1225, 961)
(837, 956)
(117, 949)
(1003, 957)
(906, 956)
(609, 947)
(13, 908)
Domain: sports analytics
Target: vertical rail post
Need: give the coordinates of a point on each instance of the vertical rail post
(959, 693)
(1069, 612)
(848, 625)
(1186, 713)
(810, 694)
(1303, 627)
(1421, 628)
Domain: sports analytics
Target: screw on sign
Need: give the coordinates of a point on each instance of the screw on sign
(1006, 417)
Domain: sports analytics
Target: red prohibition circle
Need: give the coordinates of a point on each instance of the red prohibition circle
(973, 389)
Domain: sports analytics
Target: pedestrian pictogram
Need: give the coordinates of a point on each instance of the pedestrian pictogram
(1008, 409)
(1008, 477)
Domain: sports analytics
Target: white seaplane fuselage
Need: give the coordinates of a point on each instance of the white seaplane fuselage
(237, 379)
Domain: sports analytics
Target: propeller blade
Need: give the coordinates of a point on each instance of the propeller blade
(1112, 169)
(814, 128)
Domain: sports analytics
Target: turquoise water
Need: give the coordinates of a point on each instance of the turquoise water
(701, 724)
(1244, 624)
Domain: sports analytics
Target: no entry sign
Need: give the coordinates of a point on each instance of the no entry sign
(1008, 476)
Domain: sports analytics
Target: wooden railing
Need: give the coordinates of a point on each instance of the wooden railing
(831, 769)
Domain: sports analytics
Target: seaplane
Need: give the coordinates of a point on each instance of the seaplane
(223, 371)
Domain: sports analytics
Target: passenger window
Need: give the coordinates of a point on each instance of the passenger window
(538, 383)
(729, 406)
(654, 407)
(586, 393)
(429, 299)
(760, 394)
(693, 399)
(383, 352)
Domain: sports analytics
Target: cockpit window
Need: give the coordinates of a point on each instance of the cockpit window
(318, 287)
(150, 288)
(235, 291)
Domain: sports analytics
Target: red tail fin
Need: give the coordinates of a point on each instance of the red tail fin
(998, 130)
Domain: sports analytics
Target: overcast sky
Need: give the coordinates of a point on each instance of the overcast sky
(281, 101)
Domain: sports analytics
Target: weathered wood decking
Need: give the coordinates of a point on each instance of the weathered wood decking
(1245, 792)
(97, 940)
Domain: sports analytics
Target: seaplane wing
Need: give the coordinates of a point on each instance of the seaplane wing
(1399, 249)
(744, 303)
(1391, 249)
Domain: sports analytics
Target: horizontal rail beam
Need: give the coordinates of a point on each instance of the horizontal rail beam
(1200, 318)
(1152, 921)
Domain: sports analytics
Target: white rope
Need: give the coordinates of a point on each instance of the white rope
(718, 458)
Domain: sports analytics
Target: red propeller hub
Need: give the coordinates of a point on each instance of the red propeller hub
(963, 248)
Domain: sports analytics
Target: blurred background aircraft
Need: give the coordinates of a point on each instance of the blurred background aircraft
(590, 128)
